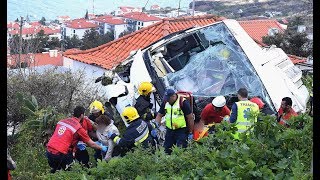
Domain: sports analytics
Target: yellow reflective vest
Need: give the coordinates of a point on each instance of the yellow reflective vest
(247, 116)
(174, 115)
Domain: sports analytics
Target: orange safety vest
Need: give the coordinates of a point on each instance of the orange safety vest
(62, 137)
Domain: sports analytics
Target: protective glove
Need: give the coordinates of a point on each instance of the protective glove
(110, 135)
(156, 124)
(98, 143)
(154, 133)
(190, 136)
(81, 146)
(104, 148)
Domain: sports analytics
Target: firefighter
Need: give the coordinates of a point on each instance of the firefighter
(67, 134)
(137, 132)
(179, 120)
(241, 112)
(144, 106)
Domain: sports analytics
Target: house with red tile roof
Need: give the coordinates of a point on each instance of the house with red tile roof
(31, 32)
(52, 57)
(77, 27)
(109, 23)
(155, 7)
(62, 19)
(126, 9)
(138, 20)
(263, 27)
(109, 55)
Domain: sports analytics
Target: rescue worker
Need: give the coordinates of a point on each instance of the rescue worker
(215, 111)
(96, 109)
(144, 106)
(65, 137)
(286, 111)
(243, 112)
(263, 109)
(179, 120)
(137, 132)
(81, 153)
(105, 125)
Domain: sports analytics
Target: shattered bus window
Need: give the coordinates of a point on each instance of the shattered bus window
(212, 64)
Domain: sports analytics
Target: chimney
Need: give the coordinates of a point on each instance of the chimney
(51, 53)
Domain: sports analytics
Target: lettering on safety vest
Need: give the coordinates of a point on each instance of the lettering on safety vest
(141, 127)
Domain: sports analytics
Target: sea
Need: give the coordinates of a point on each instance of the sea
(50, 9)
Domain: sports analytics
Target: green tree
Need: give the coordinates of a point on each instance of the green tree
(92, 39)
(124, 33)
(291, 42)
(43, 21)
(53, 43)
(73, 42)
(86, 16)
(42, 39)
(17, 20)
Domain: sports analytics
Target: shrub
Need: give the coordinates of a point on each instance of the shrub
(270, 152)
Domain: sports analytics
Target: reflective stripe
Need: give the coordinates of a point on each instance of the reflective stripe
(116, 139)
(68, 126)
(245, 123)
(142, 137)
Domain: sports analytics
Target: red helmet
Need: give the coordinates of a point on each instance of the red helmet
(258, 101)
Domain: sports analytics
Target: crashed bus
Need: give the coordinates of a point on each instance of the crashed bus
(209, 61)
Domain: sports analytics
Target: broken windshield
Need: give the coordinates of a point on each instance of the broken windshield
(212, 64)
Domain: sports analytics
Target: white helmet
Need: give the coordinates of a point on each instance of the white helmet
(219, 101)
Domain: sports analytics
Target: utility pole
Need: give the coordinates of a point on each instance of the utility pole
(179, 7)
(20, 42)
(93, 7)
(193, 7)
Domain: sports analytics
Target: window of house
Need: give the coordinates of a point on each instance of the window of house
(74, 31)
(141, 23)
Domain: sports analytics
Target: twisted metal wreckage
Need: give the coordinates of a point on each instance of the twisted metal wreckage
(208, 61)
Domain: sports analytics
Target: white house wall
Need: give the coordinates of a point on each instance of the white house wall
(118, 29)
(79, 32)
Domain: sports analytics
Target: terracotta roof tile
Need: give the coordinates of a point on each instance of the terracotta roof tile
(259, 28)
(40, 59)
(111, 54)
(297, 59)
(81, 24)
(110, 19)
(140, 16)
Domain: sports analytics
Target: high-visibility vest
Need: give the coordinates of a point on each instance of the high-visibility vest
(62, 137)
(244, 121)
(174, 115)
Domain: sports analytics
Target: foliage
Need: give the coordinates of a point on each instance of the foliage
(86, 16)
(60, 90)
(291, 41)
(270, 152)
(92, 39)
(124, 33)
(73, 42)
(54, 43)
(29, 141)
(43, 21)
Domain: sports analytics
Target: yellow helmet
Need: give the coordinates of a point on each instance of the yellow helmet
(96, 106)
(145, 88)
(130, 114)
